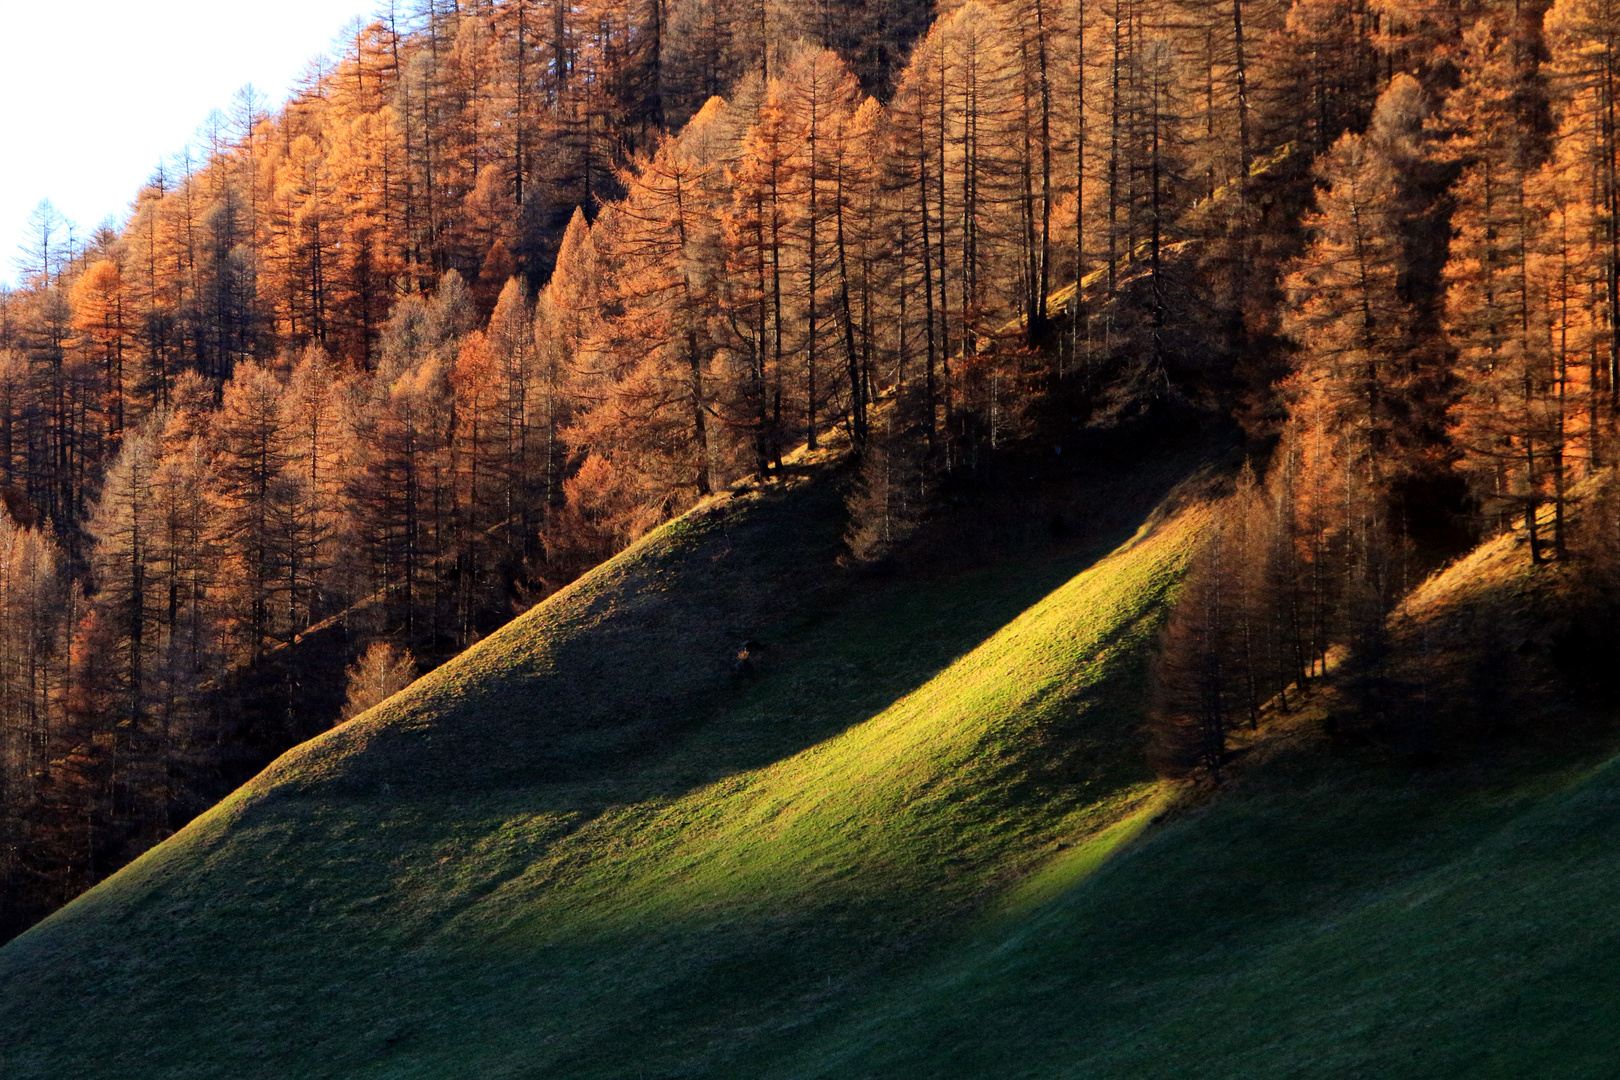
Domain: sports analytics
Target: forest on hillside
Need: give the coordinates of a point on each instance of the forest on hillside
(509, 282)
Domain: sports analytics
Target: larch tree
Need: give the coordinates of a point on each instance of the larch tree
(401, 497)
(567, 315)
(32, 602)
(318, 442)
(1347, 311)
(1505, 421)
(1361, 394)
(1198, 687)
(657, 402)
(519, 468)
(758, 228)
(187, 584)
(1583, 38)
(478, 446)
(1569, 261)
(918, 140)
(820, 99)
(99, 318)
(381, 672)
(126, 605)
(252, 449)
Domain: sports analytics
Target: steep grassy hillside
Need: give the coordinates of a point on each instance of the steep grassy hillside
(594, 847)
(1330, 914)
(1321, 922)
(915, 840)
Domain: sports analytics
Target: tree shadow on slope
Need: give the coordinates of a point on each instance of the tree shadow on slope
(1268, 933)
(514, 759)
(635, 678)
(385, 891)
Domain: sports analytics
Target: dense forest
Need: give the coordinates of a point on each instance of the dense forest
(509, 282)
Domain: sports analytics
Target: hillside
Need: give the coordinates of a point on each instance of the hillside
(1317, 922)
(795, 444)
(592, 846)
(502, 286)
(1334, 911)
(915, 839)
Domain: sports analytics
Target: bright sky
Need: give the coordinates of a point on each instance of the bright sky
(93, 94)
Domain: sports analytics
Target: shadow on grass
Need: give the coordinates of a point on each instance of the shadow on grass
(388, 891)
(630, 679)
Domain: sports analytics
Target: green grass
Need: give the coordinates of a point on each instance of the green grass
(1394, 925)
(916, 841)
(589, 847)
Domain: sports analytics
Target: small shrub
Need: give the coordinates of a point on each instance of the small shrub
(382, 672)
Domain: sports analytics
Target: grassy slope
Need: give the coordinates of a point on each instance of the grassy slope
(589, 848)
(1325, 917)
(1399, 927)
(846, 865)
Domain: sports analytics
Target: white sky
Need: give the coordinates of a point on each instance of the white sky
(94, 93)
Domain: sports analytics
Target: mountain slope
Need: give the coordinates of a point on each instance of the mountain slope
(591, 846)
(1330, 914)
(913, 841)
(1401, 926)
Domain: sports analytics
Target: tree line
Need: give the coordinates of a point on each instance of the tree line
(1455, 367)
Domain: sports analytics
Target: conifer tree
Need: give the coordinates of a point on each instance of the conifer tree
(1582, 36)
(98, 316)
(1347, 312)
(401, 498)
(185, 572)
(1510, 439)
(252, 450)
(316, 448)
(519, 397)
(126, 606)
(32, 601)
(567, 315)
(821, 97)
(1568, 261)
(759, 226)
(657, 402)
(477, 445)
(918, 136)
(1197, 687)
